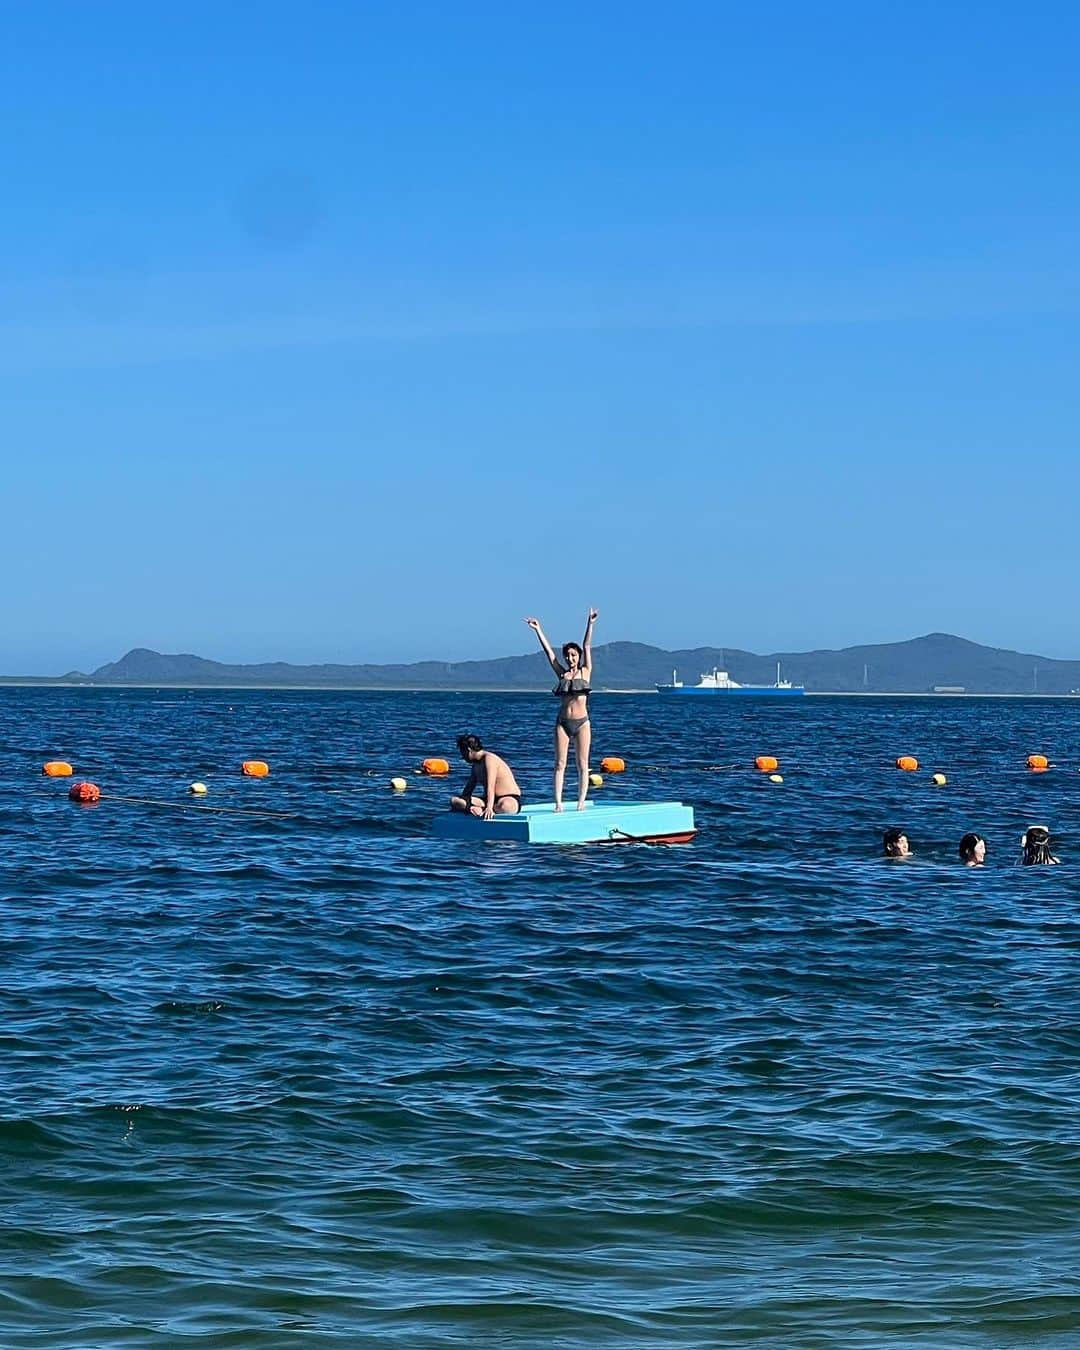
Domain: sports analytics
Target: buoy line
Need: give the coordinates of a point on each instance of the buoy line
(200, 806)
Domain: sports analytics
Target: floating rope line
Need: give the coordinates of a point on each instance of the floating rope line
(636, 838)
(201, 806)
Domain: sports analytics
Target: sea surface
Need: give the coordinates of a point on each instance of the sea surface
(279, 1069)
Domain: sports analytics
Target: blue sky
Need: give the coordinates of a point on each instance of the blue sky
(358, 332)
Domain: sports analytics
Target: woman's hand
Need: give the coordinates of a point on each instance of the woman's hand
(489, 813)
(594, 614)
(534, 624)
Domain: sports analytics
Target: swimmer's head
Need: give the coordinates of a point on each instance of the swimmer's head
(469, 746)
(895, 844)
(1036, 845)
(572, 654)
(973, 849)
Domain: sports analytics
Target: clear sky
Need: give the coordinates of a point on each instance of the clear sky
(346, 331)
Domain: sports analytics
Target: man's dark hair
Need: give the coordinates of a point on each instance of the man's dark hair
(890, 839)
(473, 743)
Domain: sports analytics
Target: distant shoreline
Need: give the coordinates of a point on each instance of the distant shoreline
(11, 682)
(940, 664)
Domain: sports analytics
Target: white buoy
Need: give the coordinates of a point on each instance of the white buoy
(198, 789)
(398, 784)
(776, 778)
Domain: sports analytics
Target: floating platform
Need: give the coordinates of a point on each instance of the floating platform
(625, 822)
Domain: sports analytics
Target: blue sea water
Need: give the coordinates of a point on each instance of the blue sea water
(294, 1073)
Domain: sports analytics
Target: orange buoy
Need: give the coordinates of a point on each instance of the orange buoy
(613, 764)
(908, 763)
(255, 768)
(84, 792)
(766, 763)
(1038, 762)
(435, 767)
(57, 768)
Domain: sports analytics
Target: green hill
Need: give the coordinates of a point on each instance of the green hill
(914, 666)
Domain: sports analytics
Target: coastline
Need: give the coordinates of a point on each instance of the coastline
(42, 682)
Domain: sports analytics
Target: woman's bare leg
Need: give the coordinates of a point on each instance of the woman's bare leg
(562, 744)
(582, 745)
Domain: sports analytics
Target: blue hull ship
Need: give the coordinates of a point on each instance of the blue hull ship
(719, 682)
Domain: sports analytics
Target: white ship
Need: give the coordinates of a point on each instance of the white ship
(718, 681)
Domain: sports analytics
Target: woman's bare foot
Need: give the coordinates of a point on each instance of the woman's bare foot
(558, 806)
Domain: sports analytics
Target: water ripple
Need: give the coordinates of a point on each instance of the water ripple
(313, 1076)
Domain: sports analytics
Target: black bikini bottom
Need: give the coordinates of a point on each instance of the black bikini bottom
(572, 725)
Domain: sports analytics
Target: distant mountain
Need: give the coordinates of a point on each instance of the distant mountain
(915, 666)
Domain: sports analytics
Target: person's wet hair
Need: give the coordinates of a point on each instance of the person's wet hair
(1036, 844)
(968, 845)
(890, 842)
(467, 743)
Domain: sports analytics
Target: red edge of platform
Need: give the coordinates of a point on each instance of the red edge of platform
(683, 838)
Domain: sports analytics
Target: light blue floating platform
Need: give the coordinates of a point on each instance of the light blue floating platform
(654, 822)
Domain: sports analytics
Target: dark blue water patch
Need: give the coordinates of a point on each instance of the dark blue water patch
(293, 1072)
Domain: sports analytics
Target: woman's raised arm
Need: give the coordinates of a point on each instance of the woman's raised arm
(586, 642)
(549, 652)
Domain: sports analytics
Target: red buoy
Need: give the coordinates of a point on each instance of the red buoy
(84, 792)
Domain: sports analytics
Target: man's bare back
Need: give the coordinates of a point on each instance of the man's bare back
(492, 788)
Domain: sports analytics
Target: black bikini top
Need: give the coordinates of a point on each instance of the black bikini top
(571, 684)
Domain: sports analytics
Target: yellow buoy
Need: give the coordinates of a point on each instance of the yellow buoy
(398, 784)
(766, 763)
(1037, 763)
(57, 768)
(938, 779)
(255, 768)
(596, 780)
(776, 778)
(198, 789)
(613, 764)
(908, 763)
(435, 767)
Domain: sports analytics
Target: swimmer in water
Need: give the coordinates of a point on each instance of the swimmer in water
(574, 674)
(973, 850)
(1036, 846)
(498, 794)
(895, 844)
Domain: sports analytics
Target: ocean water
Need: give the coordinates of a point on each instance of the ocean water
(279, 1069)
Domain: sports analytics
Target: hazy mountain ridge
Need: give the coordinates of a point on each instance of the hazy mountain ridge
(912, 666)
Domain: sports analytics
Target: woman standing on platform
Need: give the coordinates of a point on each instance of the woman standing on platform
(574, 674)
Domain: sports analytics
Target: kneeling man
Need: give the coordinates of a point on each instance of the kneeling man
(492, 788)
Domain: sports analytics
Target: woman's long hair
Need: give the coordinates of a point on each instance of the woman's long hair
(1036, 845)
